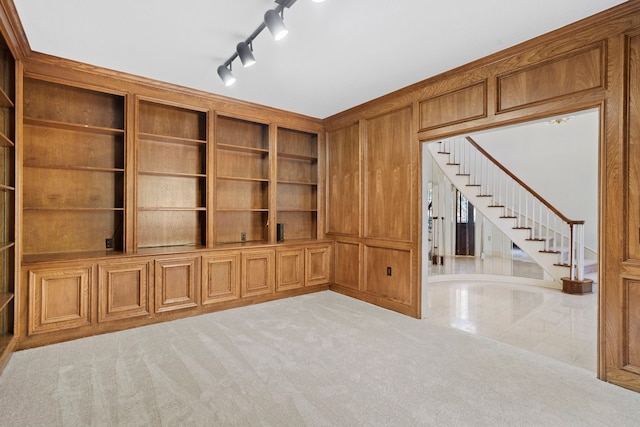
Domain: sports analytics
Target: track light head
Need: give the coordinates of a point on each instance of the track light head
(275, 24)
(226, 76)
(246, 55)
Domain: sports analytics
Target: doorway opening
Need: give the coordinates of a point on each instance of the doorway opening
(487, 285)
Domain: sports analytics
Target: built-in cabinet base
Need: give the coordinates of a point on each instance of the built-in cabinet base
(69, 299)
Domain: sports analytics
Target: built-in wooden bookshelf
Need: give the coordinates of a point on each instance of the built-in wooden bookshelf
(242, 181)
(297, 183)
(7, 201)
(185, 193)
(172, 176)
(73, 188)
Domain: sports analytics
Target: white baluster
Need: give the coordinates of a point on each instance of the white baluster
(540, 232)
(546, 243)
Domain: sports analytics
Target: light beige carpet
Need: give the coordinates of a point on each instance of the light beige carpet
(320, 360)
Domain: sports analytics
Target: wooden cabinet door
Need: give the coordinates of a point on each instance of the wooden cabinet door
(59, 298)
(258, 273)
(123, 290)
(318, 265)
(220, 277)
(175, 283)
(290, 268)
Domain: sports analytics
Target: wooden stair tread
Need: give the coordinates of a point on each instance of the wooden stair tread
(522, 228)
(495, 206)
(547, 251)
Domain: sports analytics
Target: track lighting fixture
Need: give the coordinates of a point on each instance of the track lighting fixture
(275, 24)
(246, 54)
(274, 20)
(225, 75)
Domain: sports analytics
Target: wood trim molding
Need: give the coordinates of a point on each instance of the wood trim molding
(37, 64)
(12, 30)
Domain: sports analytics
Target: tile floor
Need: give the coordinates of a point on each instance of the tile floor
(542, 320)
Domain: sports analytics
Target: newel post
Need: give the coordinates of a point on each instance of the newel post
(576, 283)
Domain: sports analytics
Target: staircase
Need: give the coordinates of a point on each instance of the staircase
(551, 239)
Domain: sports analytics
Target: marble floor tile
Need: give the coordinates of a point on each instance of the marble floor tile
(538, 319)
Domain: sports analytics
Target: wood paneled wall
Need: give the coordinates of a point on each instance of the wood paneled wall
(592, 63)
(373, 169)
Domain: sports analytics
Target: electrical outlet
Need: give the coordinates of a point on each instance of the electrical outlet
(108, 243)
(388, 271)
(243, 236)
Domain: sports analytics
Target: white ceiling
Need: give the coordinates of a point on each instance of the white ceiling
(338, 54)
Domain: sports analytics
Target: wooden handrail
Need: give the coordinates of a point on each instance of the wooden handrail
(525, 186)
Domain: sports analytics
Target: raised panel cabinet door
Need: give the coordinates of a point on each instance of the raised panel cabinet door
(258, 273)
(175, 283)
(290, 269)
(59, 299)
(318, 265)
(220, 277)
(123, 291)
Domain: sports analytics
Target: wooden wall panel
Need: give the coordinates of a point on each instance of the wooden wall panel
(389, 187)
(343, 183)
(388, 273)
(632, 326)
(632, 211)
(569, 74)
(347, 265)
(175, 283)
(59, 299)
(220, 277)
(123, 291)
(453, 107)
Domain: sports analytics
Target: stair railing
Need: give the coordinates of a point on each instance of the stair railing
(530, 211)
